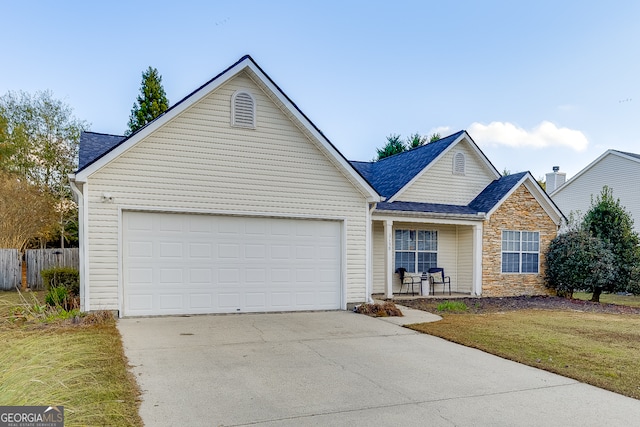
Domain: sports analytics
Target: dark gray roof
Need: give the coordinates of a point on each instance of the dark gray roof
(94, 145)
(483, 203)
(425, 207)
(389, 175)
(494, 192)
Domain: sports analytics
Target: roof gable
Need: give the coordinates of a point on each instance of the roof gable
(392, 175)
(95, 158)
(624, 155)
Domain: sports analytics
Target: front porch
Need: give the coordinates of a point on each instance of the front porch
(417, 243)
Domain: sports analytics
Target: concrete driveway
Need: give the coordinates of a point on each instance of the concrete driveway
(343, 369)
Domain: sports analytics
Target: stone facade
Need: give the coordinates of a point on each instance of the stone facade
(520, 212)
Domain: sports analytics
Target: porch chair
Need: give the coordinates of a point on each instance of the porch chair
(405, 280)
(437, 277)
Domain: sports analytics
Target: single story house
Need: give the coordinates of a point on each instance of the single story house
(615, 169)
(234, 201)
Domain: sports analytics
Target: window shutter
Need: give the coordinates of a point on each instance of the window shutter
(243, 110)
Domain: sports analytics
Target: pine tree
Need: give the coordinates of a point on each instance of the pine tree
(150, 103)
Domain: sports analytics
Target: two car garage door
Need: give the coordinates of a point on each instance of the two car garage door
(190, 264)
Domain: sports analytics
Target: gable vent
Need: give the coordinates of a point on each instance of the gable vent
(243, 110)
(458, 164)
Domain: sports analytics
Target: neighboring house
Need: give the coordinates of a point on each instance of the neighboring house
(617, 170)
(233, 201)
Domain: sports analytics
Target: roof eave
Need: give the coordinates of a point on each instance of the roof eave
(480, 216)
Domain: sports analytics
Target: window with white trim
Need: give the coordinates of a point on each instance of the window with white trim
(520, 251)
(416, 250)
(459, 164)
(243, 110)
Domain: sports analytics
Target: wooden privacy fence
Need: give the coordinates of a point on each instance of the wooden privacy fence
(10, 269)
(40, 259)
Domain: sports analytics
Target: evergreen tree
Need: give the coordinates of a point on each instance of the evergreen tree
(394, 146)
(150, 103)
(610, 222)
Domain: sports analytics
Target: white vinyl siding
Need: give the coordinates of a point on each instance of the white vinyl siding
(617, 172)
(198, 163)
(439, 185)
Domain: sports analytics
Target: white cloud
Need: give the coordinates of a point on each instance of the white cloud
(546, 134)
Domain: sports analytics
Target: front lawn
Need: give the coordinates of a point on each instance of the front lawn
(630, 300)
(601, 349)
(80, 366)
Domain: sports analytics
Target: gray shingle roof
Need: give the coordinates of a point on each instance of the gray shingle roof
(94, 145)
(494, 192)
(483, 203)
(389, 175)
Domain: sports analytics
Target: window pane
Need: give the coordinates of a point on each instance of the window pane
(529, 263)
(427, 260)
(427, 240)
(511, 241)
(530, 241)
(510, 262)
(406, 260)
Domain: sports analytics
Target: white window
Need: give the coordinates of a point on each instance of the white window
(243, 110)
(416, 250)
(458, 164)
(520, 251)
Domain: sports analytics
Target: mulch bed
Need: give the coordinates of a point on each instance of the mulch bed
(493, 305)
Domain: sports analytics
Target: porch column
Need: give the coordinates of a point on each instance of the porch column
(477, 259)
(388, 238)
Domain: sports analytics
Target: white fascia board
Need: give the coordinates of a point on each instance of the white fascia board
(395, 216)
(474, 147)
(347, 169)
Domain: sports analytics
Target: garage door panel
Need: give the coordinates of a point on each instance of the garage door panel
(184, 263)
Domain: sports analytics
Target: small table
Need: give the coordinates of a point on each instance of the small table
(417, 278)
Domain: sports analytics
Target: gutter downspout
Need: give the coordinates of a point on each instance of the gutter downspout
(79, 198)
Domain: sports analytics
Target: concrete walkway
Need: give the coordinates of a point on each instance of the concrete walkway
(343, 369)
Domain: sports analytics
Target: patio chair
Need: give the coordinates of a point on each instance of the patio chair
(406, 280)
(437, 277)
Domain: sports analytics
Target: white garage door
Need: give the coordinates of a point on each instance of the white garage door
(188, 264)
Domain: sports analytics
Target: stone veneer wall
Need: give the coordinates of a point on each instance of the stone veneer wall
(520, 212)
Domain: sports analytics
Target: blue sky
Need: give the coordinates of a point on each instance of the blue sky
(535, 83)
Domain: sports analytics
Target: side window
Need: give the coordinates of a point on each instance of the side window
(520, 251)
(243, 110)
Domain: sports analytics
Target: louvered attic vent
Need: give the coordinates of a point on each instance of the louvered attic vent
(458, 164)
(243, 110)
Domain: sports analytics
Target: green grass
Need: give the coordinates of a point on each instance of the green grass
(79, 366)
(452, 306)
(630, 300)
(598, 349)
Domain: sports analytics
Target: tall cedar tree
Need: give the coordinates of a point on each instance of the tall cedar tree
(610, 222)
(150, 103)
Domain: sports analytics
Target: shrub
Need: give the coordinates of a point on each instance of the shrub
(57, 296)
(577, 261)
(66, 277)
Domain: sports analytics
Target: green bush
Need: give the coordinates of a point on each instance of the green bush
(66, 277)
(57, 296)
